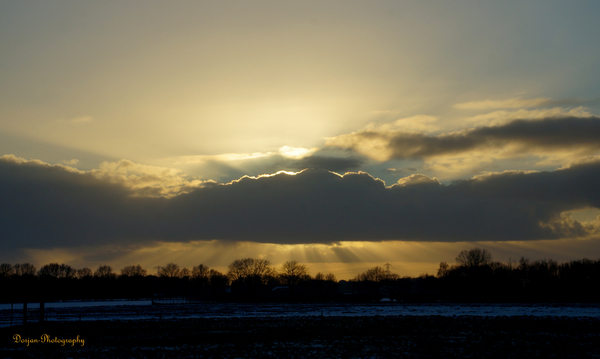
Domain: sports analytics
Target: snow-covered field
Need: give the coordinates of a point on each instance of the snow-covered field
(143, 310)
(270, 333)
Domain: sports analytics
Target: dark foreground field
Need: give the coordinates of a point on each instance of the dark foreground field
(313, 337)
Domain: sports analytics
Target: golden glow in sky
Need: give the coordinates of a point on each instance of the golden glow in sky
(179, 105)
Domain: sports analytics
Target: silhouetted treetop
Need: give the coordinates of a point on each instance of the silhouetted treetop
(330, 277)
(24, 269)
(171, 270)
(55, 270)
(375, 274)
(474, 257)
(250, 267)
(292, 272)
(200, 272)
(133, 271)
(6, 270)
(104, 271)
(84, 272)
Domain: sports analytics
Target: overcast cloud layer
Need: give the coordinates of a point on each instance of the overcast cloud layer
(47, 206)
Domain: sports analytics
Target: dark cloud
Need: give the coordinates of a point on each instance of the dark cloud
(524, 136)
(49, 206)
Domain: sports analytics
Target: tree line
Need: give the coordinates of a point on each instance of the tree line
(245, 278)
(475, 276)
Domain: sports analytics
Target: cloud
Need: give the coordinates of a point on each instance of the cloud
(397, 170)
(579, 135)
(227, 167)
(49, 206)
(296, 153)
(73, 161)
(417, 179)
(418, 123)
(138, 179)
(508, 103)
(226, 157)
(79, 119)
(519, 103)
(12, 159)
(145, 180)
(502, 117)
(335, 164)
(284, 151)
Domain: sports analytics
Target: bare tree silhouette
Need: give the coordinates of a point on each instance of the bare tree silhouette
(293, 272)
(104, 271)
(474, 257)
(24, 269)
(84, 272)
(133, 271)
(171, 270)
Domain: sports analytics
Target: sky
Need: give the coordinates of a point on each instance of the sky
(342, 134)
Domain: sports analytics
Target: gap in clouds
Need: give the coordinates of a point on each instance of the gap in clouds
(345, 260)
